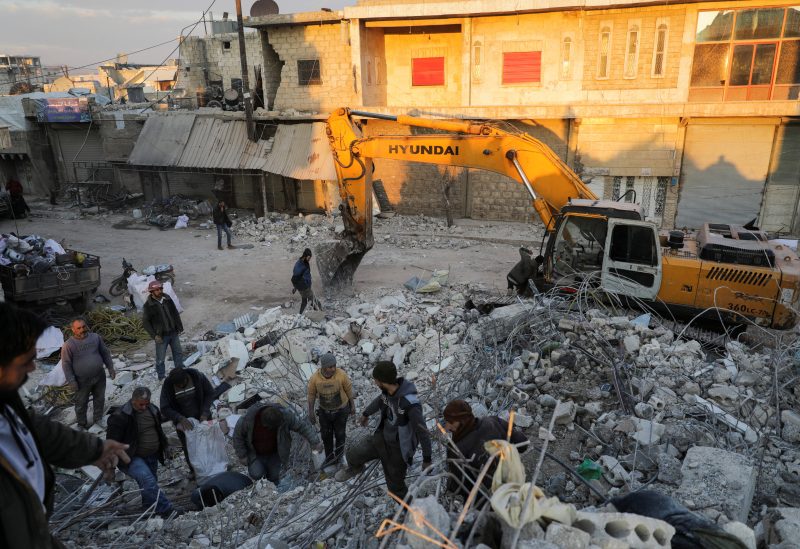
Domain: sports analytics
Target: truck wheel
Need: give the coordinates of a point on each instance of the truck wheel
(80, 304)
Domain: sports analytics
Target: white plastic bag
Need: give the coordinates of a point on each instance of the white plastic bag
(206, 446)
(51, 340)
(137, 287)
(182, 222)
(55, 377)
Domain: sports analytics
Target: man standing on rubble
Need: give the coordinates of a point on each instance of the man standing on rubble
(138, 424)
(162, 321)
(469, 436)
(82, 358)
(223, 223)
(186, 393)
(31, 444)
(262, 439)
(401, 428)
(301, 280)
(335, 392)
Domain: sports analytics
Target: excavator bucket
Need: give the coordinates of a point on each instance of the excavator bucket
(337, 261)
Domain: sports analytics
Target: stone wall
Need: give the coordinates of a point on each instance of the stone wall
(327, 43)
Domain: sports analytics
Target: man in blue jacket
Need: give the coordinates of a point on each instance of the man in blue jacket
(301, 280)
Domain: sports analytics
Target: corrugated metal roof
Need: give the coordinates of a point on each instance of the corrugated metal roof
(301, 151)
(200, 142)
(162, 140)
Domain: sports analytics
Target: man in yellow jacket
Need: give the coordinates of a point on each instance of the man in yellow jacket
(333, 388)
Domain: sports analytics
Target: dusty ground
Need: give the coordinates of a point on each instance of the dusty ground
(216, 286)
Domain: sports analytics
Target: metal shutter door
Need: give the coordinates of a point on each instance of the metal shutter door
(723, 173)
(73, 149)
(780, 199)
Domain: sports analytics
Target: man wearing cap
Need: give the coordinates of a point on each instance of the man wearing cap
(335, 392)
(262, 439)
(401, 429)
(162, 321)
(469, 436)
(301, 280)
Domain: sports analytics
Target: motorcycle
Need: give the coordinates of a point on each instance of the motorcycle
(163, 273)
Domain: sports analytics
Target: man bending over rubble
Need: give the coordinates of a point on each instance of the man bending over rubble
(82, 357)
(263, 439)
(469, 436)
(31, 444)
(138, 424)
(395, 441)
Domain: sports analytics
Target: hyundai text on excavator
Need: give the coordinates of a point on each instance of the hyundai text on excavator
(726, 271)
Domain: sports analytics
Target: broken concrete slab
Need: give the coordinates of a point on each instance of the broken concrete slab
(567, 537)
(565, 412)
(426, 510)
(717, 478)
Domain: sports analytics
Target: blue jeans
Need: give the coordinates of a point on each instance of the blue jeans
(227, 230)
(266, 466)
(161, 351)
(144, 471)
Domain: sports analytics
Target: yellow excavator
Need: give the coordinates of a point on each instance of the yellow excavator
(722, 271)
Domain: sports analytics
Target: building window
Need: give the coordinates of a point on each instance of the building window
(566, 58)
(747, 55)
(477, 60)
(308, 72)
(660, 51)
(427, 71)
(522, 67)
(604, 50)
(632, 52)
(226, 45)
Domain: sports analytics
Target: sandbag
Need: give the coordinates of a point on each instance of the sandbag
(206, 447)
(137, 287)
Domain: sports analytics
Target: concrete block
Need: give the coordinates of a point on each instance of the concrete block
(429, 509)
(636, 531)
(716, 478)
(565, 413)
(566, 537)
(123, 378)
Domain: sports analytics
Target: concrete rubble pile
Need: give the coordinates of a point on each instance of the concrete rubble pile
(632, 406)
(404, 232)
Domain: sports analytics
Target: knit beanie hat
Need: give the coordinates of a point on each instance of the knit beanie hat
(327, 360)
(385, 372)
(306, 252)
(458, 410)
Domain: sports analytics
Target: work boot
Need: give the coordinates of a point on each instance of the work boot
(347, 473)
(231, 247)
(219, 247)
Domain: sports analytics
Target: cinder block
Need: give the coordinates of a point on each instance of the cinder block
(636, 531)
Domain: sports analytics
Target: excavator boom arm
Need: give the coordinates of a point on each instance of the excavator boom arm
(548, 180)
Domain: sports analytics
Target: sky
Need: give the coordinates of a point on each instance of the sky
(80, 32)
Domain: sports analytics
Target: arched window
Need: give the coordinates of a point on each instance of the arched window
(566, 58)
(632, 52)
(604, 52)
(660, 50)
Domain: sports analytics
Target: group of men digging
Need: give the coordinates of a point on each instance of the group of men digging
(30, 445)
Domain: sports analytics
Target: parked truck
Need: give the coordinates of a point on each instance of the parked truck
(73, 282)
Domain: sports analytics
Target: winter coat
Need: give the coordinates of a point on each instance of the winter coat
(301, 275)
(203, 393)
(243, 434)
(220, 217)
(471, 447)
(123, 427)
(23, 522)
(152, 318)
(402, 421)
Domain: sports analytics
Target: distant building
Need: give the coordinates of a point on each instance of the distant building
(19, 69)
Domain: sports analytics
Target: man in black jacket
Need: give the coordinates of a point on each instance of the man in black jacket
(186, 393)
(223, 223)
(31, 444)
(162, 321)
(469, 436)
(138, 424)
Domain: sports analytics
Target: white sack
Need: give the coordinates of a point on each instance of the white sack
(49, 342)
(206, 446)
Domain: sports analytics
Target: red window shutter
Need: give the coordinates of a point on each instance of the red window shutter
(427, 71)
(522, 66)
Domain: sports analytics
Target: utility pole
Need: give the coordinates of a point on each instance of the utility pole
(248, 104)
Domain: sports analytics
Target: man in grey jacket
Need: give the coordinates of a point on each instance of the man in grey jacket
(401, 429)
(262, 439)
(82, 357)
